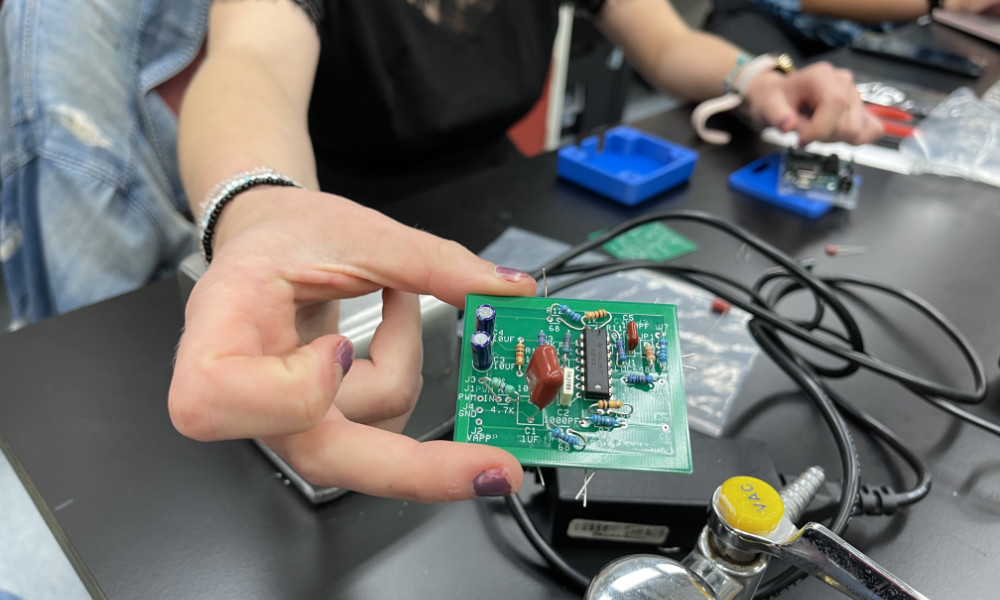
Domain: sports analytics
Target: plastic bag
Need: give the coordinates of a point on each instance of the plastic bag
(718, 351)
(960, 138)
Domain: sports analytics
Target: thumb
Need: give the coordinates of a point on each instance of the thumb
(769, 101)
(777, 111)
(333, 356)
(238, 396)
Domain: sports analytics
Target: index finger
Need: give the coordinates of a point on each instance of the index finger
(393, 255)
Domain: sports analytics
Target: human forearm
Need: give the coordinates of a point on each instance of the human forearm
(247, 106)
(868, 11)
(230, 123)
(673, 57)
(694, 69)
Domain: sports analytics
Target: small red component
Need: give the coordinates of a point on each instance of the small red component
(833, 250)
(720, 306)
(544, 376)
(632, 336)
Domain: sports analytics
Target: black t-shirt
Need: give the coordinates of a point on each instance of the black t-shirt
(408, 92)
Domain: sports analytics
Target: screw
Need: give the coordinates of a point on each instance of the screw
(800, 492)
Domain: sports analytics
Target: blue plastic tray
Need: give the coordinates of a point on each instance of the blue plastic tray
(633, 166)
(759, 179)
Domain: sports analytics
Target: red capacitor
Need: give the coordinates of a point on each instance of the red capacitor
(720, 306)
(632, 336)
(544, 376)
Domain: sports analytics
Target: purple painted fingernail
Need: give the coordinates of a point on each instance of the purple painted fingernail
(512, 275)
(492, 482)
(344, 356)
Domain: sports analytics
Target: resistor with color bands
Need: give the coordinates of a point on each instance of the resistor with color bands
(571, 314)
(661, 351)
(610, 405)
(568, 436)
(542, 338)
(639, 379)
(647, 348)
(620, 348)
(567, 343)
(503, 387)
(604, 421)
(519, 353)
(593, 315)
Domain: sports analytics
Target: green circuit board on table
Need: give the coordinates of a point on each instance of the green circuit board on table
(574, 383)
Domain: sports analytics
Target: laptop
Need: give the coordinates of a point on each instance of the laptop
(981, 26)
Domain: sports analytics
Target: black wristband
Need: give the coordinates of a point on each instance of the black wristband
(209, 232)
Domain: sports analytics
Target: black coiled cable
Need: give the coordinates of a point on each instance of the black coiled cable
(766, 327)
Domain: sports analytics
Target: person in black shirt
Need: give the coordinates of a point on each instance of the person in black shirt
(314, 91)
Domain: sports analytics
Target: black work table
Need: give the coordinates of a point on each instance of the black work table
(155, 515)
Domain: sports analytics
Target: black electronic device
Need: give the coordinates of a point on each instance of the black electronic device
(650, 510)
(919, 54)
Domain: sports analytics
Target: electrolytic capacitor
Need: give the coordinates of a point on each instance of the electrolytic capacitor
(482, 350)
(486, 318)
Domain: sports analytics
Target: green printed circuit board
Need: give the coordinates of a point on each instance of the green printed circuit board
(574, 383)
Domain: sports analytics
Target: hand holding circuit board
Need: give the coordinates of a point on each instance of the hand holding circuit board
(261, 357)
(574, 383)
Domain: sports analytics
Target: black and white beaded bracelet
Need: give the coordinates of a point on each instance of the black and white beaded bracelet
(223, 193)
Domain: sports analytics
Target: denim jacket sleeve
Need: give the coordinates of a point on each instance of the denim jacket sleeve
(91, 203)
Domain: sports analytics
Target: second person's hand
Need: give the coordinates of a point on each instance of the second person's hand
(819, 102)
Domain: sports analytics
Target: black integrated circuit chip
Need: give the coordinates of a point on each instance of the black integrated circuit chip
(596, 373)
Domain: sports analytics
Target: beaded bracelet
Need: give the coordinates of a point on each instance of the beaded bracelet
(741, 61)
(224, 192)
(744, 75)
